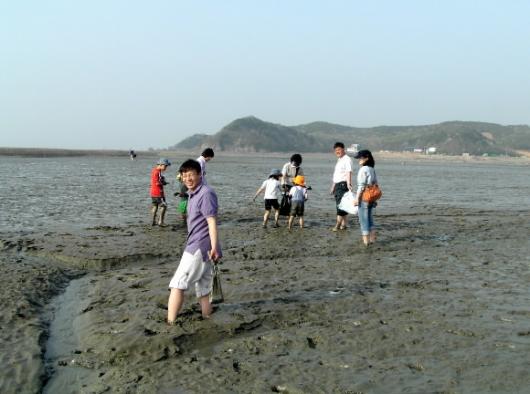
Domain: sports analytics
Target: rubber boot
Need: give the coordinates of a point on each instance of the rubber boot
(153, 215)
(162, 214)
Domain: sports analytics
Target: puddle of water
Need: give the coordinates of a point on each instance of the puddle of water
(63, 342)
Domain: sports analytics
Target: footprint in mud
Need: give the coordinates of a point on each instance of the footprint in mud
(149, 333)
(311, 343)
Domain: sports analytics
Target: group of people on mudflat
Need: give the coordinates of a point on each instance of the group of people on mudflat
(199, 206)
(290, 182)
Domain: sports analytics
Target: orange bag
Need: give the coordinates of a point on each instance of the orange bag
(371, 193)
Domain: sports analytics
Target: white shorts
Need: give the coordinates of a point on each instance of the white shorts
(192, 270)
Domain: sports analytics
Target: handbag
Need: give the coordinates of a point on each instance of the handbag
(216, 295)
(371, 193)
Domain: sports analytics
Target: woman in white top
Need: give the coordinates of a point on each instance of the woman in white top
(272, 192)
(366, 177)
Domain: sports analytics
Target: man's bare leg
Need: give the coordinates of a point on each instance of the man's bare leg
(174, 304)
(206, 306)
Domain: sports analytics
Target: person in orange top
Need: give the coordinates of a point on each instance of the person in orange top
(158, 199)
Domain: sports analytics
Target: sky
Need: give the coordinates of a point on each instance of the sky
(121, 74)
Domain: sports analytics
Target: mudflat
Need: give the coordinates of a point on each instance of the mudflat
(438, 304)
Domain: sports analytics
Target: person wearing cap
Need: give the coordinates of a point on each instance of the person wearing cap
(365, 177)
(290, 170)
(298, 195)
(158, 199)
(271, 186)
(204, 158)
(342, 182)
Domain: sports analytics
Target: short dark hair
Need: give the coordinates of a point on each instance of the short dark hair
(338, 145)
(297, 159)
(208, 152)
(190, 165)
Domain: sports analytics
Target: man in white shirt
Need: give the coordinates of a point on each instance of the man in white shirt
(342, 177)
(205, 157)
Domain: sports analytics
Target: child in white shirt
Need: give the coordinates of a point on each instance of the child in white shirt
(271, 186)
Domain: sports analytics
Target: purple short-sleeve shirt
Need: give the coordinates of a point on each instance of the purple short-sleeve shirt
(202, 204)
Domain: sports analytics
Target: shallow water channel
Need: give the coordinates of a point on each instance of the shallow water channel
(63, 343)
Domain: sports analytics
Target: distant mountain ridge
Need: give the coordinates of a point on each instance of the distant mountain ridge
(251, 134)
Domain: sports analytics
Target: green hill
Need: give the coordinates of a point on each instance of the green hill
(251, 134)
(254, 135)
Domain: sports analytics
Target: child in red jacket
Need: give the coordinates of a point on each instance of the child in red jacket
(158, 199)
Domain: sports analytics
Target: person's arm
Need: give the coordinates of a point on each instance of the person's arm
(257, 193)
(284, 175)
(361, 182)
(350, 174)
(212, 231)
(278, 190)
(158, 178)
(332, 190)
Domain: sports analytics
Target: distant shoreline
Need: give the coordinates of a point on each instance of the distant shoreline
(382, 155)
(415, 157)
(53, 152)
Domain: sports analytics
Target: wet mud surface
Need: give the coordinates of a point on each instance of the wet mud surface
(439, 304)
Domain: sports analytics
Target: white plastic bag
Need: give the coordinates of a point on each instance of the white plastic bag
(346, 203)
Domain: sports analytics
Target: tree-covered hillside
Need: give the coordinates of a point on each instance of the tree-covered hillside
(251, 134)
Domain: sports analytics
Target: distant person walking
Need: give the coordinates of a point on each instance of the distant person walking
(205, 157)
(366, 176)
(298, 195)
(202, 246)
(342, 182)
(158, 198)
(183, 194)
(290, 170)
(271, 186)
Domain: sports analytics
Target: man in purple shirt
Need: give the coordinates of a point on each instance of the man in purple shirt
(202, 246)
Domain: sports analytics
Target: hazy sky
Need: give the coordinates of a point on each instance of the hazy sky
(137, 74)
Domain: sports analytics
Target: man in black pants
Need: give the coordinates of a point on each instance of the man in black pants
(342, 177)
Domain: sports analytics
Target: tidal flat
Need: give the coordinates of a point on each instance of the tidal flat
(439, 304)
